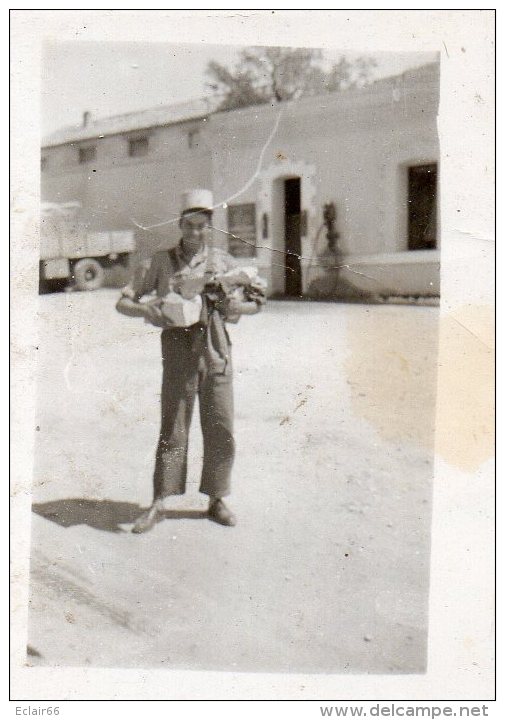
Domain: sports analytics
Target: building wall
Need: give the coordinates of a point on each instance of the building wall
(116, 191)
(352, 149)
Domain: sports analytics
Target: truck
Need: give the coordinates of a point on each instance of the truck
(73, 255)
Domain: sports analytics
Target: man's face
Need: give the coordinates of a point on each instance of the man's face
(195, 231)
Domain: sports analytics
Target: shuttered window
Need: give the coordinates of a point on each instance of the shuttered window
(138, 147)
(242, 226)
(87, 154)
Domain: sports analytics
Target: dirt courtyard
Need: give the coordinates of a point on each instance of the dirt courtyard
(327, 570)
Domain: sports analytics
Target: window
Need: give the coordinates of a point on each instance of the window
(242, 225)
(138, 147)
(87, 154)
(193, 138)
(422, 202)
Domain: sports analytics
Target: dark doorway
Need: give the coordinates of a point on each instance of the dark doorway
(292, 236)
(422, 207)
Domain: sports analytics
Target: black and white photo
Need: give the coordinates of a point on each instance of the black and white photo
(246, 347)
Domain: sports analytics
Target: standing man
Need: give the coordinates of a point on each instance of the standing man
(196, 360)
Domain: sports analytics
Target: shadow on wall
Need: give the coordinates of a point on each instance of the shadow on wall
(332, 287)
(326, 288)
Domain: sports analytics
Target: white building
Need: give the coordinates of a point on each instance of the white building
(370, 154)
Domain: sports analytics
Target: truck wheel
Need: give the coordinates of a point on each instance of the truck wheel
(88, 274)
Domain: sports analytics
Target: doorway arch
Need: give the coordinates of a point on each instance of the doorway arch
(282, 231)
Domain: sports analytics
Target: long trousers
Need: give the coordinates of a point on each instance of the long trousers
(186, 374)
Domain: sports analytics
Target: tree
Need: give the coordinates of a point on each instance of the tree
(274, 74)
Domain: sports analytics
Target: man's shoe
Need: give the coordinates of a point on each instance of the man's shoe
(218, 512)
(146, 521)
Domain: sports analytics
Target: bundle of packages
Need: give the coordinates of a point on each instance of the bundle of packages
(242, 284)
(188, 286)
(179, 311)
(182, 306)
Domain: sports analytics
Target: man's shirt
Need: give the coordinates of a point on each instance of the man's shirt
(171, 270)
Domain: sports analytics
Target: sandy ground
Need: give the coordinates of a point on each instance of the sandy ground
(328, 567)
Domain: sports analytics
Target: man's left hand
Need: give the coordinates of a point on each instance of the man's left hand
(240, 307)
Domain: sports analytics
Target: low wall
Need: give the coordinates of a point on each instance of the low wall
(408, 273)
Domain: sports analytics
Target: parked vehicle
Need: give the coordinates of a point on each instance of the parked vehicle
(70, 252)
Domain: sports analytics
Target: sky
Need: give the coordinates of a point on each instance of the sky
(110, 78)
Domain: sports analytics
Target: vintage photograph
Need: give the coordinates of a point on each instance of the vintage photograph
(238, 313)
(252, 331)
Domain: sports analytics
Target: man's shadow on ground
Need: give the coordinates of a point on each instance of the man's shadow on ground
(106, 515)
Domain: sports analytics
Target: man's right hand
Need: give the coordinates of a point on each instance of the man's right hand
(154, 316)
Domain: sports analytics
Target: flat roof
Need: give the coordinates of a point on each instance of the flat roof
(203, 107)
